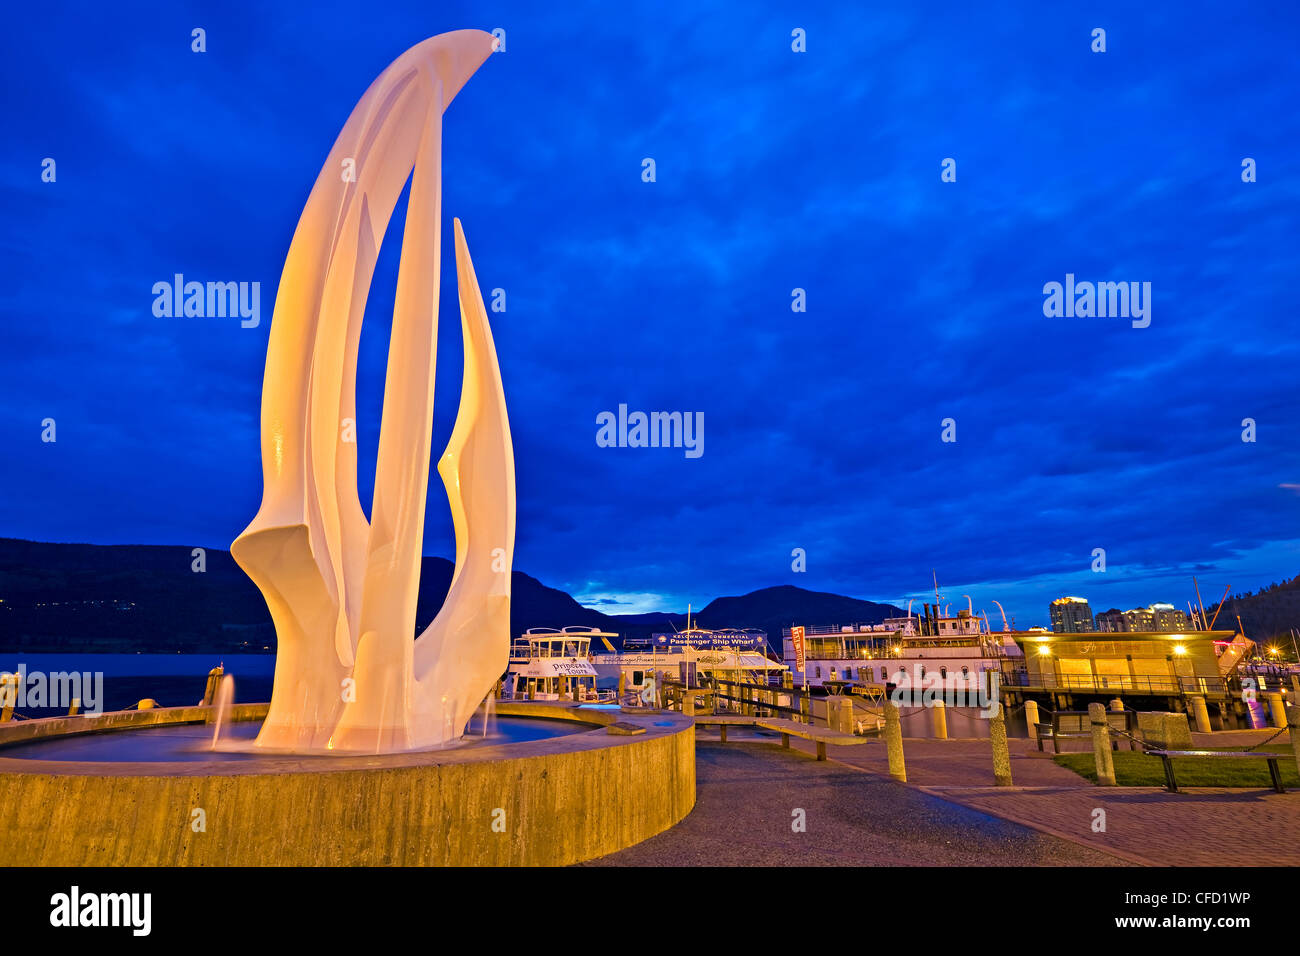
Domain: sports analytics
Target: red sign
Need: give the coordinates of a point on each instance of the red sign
(796, 638)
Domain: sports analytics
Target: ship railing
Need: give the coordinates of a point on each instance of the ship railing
(837, 630)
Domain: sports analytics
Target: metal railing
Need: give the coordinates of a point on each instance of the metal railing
(751, 699)
(1133, 684)
(1071, 724)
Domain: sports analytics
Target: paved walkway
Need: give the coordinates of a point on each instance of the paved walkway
(749, 792)
(1145, 825)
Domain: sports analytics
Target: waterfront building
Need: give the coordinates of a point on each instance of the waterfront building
(1164, 669)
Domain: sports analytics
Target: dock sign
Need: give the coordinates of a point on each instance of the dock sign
(796, 638)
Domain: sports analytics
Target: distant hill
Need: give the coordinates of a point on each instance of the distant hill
(1267, 615)
(769, 609)
(59, 597)
(128, 598)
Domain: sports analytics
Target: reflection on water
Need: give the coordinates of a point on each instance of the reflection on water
(1257, 714)
(962, 722)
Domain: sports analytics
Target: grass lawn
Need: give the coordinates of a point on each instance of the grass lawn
(1135, 769)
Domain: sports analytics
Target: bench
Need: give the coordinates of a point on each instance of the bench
(1076, 725)
(1167, 756)
(821, 735)
(722, 722)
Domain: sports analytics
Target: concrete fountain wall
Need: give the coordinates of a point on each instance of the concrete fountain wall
(565, 799)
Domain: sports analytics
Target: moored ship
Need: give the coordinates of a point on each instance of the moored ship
(926, 650)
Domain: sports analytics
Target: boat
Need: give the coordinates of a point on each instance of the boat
(736, 654)
(550, 664)
(933, 649)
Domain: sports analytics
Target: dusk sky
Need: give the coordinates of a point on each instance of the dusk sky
(775, 170)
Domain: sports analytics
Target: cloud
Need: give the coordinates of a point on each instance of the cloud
(776, 171)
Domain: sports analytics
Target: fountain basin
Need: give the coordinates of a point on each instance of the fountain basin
(549, 801)
(193, 742)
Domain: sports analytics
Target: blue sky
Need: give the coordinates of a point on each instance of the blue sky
(775, 170)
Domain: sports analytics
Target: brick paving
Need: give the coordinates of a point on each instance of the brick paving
(751, 794)
(1200, 827)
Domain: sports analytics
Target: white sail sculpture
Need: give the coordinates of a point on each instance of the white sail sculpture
(349, 677)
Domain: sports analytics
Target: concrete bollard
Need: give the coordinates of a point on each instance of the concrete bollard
(839, 714)
(1031, 717)
(1116, 705)
(147, 704)
(1276, 712)
(210, 687)
(894, 742)
(1200, 713)
(1001, 754)
(8, 696)
(939, 721)
(1101, 745)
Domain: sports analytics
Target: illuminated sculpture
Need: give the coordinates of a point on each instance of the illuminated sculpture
(342, 591)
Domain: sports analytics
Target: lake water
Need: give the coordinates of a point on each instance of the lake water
(174, 680)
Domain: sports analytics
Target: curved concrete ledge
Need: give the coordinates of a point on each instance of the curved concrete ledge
(24, 731)
(548, 802)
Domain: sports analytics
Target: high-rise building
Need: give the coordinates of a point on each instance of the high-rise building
(1112, 620)
(1169, 618)
(1071, 615)
(1156, 617)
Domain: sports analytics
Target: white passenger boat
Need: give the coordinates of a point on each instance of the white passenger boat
(729, 654)
(546, 664)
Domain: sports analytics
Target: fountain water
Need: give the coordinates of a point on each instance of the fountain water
(221, 704)
(489, 713)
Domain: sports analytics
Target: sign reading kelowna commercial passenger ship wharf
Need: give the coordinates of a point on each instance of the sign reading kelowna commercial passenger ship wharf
(700, 639)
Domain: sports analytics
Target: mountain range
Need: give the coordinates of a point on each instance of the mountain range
(149, 599)
(1267, 615)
